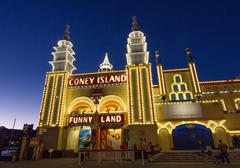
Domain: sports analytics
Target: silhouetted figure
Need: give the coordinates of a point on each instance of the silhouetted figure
(223, 148)
(235, 141)
(202, 148)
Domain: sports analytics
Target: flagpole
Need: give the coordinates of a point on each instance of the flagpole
(12, 132)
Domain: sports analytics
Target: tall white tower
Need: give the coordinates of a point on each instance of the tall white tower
(136, 46)
(63, 57)
(105, 66)
(140, 98)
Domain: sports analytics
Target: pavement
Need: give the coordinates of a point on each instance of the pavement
(73, 163)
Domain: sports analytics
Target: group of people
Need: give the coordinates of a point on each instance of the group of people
(149, 150)
(220, 156)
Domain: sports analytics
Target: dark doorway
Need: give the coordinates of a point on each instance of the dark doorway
(188, 136)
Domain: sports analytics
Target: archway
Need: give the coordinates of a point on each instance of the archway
(111, 136)
(221, 134)
(111, 103)
(188, 136)
(82, 105)
(164, 139)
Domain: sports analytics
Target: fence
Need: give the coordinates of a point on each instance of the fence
(113, 155)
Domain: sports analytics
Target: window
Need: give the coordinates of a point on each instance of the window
(180, 96)
(173, 96)
(179, 90)
(175, 88)
(188, 96)
(183, 87)
(177, 78)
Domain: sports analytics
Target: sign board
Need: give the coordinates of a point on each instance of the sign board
(110, 118)
(100, 119)
(184, 110)
(80, 120)
(97, 79)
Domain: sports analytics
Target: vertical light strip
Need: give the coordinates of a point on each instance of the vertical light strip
(224, 105)
(63, 105)
(236, 103)
(163, 81)
(51, 100)
(130, 117)
(54, 99)
(154, 117)
(43, 103)
(148, 85)
(141, 94)
(159, 80)
(193, 78)
(196, 76)
(61, 97)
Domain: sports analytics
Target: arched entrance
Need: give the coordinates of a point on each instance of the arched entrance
(188, 136)
(221, 134)
(80, 134)
(111, 134)
(164, 139)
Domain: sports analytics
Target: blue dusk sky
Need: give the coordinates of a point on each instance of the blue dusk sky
(30, 29)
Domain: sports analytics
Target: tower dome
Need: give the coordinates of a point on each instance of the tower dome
(136, 46)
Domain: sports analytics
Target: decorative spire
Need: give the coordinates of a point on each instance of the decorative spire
(105, 66)
(135, 26)
(67, 33)
(157, 54)
(189, 54)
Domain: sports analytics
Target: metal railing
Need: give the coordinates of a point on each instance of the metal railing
(108, 155)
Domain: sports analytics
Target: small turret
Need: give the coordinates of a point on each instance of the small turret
(189, 54)
(67, 33)
(157, 55)
(105, 66)
(135, 26)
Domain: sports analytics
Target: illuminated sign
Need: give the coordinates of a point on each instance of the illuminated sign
(97, 79)
(80, 120)
(101, 119)
(111, 118)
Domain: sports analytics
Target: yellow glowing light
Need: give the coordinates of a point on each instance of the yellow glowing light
(176, 70)
(220, 81)
(237, 104)
(212, 125)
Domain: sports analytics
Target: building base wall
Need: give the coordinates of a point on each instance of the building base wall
(141, 135)
(52, 138)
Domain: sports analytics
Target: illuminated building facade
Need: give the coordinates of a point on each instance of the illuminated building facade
(100, 110)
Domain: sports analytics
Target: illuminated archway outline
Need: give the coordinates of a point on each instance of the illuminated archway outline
(113, 98)
(79, 100)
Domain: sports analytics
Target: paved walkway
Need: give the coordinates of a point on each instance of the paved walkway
(73, 163)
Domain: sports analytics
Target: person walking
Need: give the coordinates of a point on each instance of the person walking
(223, 148)
(235, 141)
(123, 148)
